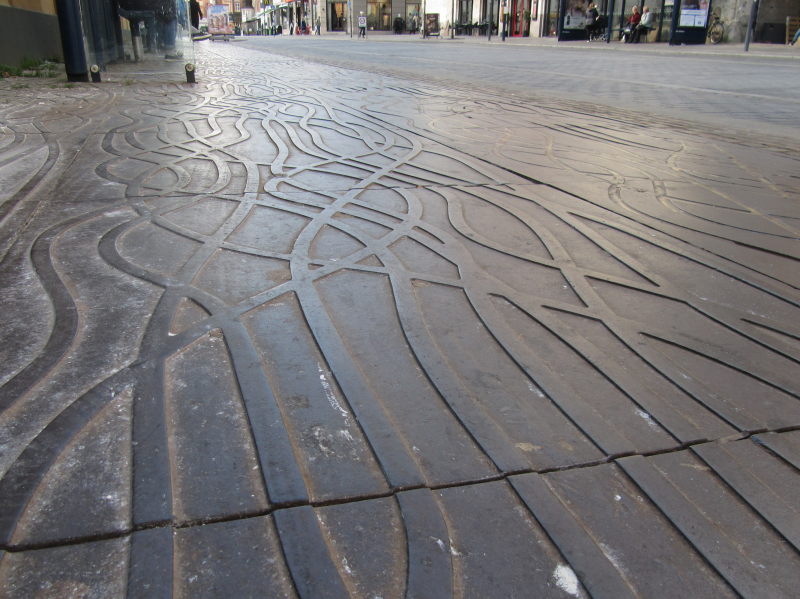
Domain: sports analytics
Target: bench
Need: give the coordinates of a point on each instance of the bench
(644, 34)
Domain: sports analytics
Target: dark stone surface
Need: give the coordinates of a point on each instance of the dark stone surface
(333, 334)
(750, 555)
(150, 572)
(614, 537)
(767, 483)
(785, 445)
(239, 558)
(310, 563)
(85, 570)
(430, 566)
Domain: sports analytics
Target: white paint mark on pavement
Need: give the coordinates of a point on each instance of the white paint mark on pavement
(326, 387)
(533, 389)
(346, 566)
(566, 580)
(648, 418)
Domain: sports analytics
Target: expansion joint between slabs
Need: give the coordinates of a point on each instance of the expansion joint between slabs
(121, 533)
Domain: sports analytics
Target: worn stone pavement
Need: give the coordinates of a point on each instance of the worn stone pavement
(298, 331)
(721, 86)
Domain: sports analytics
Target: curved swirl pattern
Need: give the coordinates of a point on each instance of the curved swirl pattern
(385, 338)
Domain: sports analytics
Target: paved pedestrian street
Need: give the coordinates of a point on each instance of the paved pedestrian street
(303, 331)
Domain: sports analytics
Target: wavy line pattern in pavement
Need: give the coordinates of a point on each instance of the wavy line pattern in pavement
(301, 331)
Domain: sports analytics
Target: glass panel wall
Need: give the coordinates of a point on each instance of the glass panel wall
(664, 20)
(550, 25)
(131, 37)
(619, 19)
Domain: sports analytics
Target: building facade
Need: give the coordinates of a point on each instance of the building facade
(468, 17)
(770, 23)
(30, 30)
(31, 27)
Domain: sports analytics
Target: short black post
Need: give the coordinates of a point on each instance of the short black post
(94, 71)
(190, 73)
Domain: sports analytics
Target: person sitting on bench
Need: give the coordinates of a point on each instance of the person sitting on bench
(633, 23)
(644, 26)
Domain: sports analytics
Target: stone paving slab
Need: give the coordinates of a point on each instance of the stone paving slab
(581, 532)
(754, 558)
(372, 337)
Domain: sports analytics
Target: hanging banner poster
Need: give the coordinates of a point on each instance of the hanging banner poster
(219, 22)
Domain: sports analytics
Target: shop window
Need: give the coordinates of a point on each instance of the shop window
(379, 16)
(465, 12)
(338, 14)
(413, 20)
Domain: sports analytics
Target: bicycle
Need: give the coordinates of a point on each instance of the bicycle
(716, 29)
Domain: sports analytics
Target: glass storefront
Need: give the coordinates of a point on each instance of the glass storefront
(493, 9)
(465, 12)
(413, 20)
(550, 25)
(662, 10)
(379, 16)
(338, 16)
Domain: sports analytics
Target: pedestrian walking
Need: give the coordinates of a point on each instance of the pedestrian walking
(195, 14)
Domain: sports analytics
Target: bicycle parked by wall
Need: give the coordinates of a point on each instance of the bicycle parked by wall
(716, 28)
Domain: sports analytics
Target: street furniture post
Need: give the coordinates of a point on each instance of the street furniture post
(751, 25)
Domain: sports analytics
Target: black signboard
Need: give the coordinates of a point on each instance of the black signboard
(689, 22)
(573, 20)
(432, 23)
